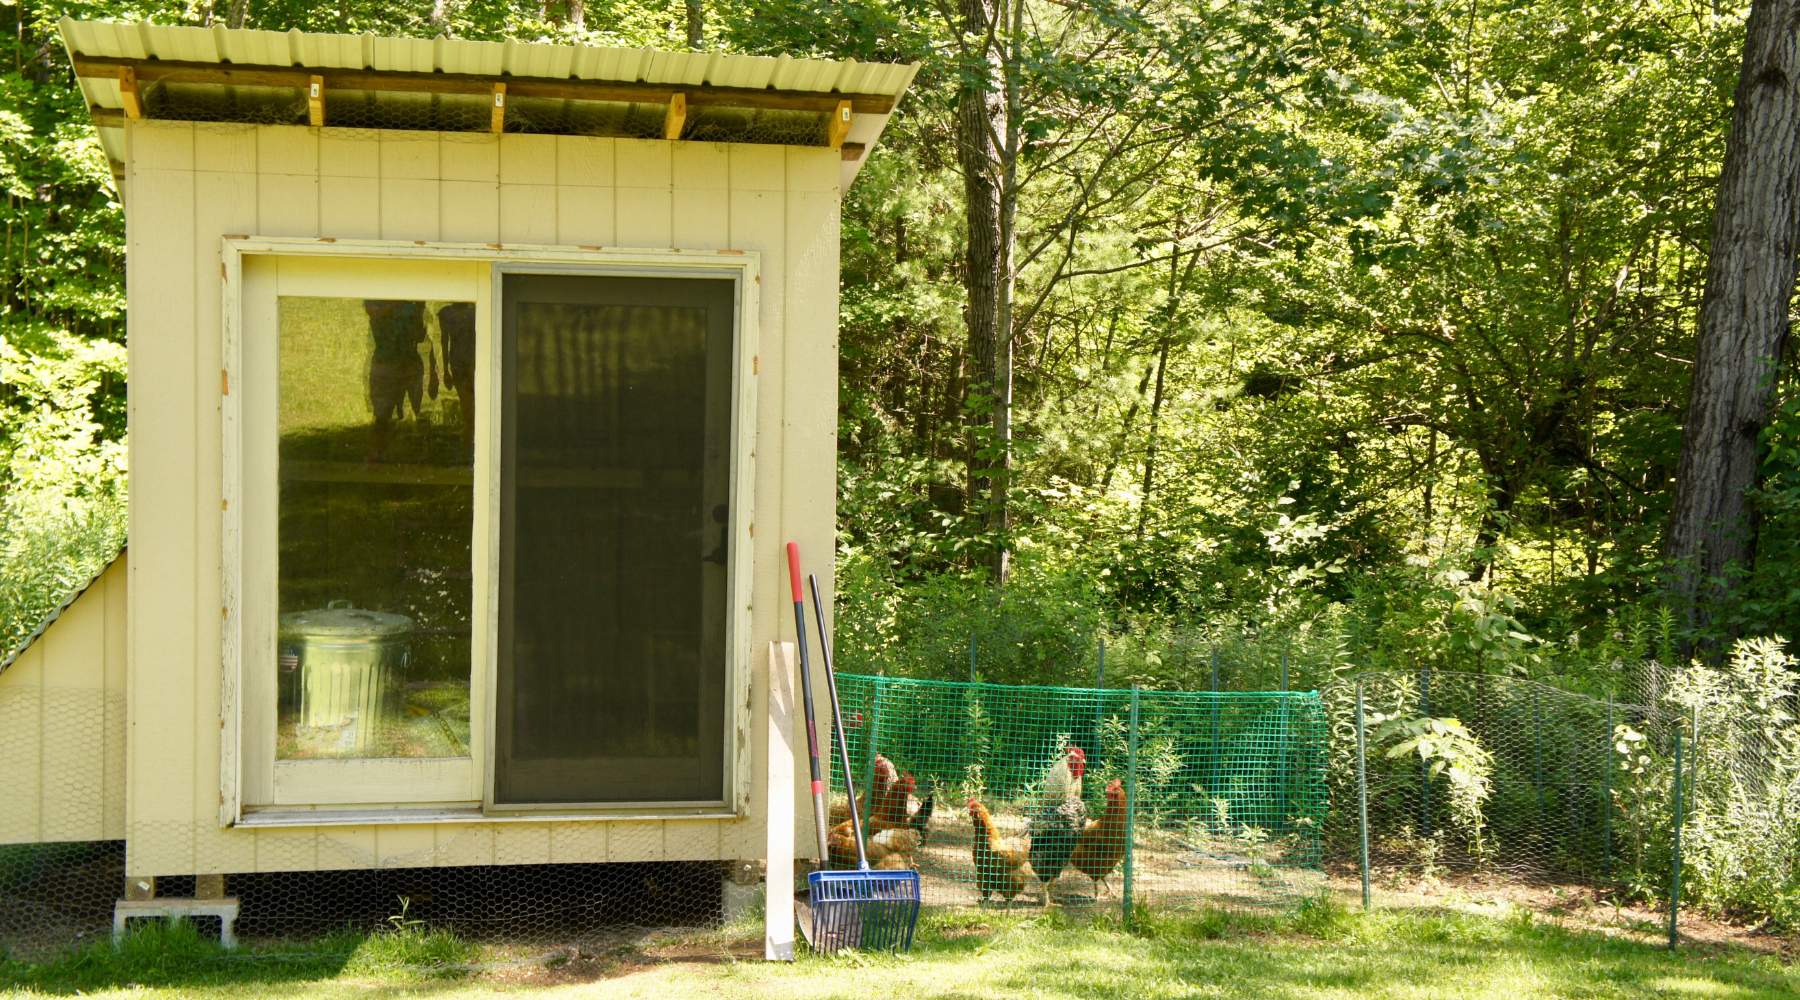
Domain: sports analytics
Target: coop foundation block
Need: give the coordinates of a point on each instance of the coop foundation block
(743, 890)
(126, 910)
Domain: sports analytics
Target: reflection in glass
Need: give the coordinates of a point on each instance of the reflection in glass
(614, 472)
(376, 422)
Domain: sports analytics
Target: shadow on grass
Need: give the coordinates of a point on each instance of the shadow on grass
(176, 955)
(1317, 947)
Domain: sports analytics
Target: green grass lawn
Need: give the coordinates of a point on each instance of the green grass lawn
(1318, 951)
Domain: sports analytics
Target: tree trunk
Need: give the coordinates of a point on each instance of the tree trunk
(980, 114)
(1156, 401)
(578, 15)
(696, 25)
(1743, 316)
(237, 13)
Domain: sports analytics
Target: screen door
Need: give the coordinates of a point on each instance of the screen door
(614, 482)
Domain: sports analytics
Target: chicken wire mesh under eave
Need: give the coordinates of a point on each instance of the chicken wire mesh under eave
(451, 112)
(1224, 793)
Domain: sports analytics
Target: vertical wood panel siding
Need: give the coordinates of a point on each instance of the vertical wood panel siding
(62, 724)
(189, 185)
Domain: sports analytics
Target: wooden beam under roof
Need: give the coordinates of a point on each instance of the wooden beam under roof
(315, 101)
(675, 117)
(838, 126)
(128, 92)
(620, 91)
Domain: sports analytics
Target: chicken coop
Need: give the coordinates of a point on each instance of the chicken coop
(475, 387)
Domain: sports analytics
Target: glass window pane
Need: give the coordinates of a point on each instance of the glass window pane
(377, 425)
(614, 484)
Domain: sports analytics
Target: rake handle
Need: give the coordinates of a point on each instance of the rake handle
(837, 723)
(806, 697)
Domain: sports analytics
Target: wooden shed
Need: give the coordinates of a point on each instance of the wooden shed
(475, 388)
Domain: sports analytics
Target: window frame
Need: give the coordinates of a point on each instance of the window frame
(743, 267)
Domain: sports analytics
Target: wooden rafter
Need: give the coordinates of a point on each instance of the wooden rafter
(128, 92)
(238, 75)
(498, 124)
(315, 101)
(675, 116)
(839, 125)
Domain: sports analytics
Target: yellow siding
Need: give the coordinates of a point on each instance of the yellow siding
(62, 724)
(189, 185)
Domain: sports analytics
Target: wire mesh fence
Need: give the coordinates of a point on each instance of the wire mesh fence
(61, 895)
(1186, 799)
(1013, 795)
(1476, 774)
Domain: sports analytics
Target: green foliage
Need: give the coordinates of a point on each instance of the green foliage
(1741, 838)
(1451, 752)
(62, 508)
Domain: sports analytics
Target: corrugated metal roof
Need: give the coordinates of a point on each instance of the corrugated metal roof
(508, 59)
(12, 655)
(108, 39)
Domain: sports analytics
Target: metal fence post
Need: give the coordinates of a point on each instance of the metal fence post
(971, 657)
(1675, 854)
(1362, 794)
(1284, 662)
(1537, 751)
(1425, 766)
(1606, 803)
(1131, 748)
(1100, 673)
(1212, 746)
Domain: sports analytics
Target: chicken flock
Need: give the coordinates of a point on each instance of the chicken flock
(1059, 834)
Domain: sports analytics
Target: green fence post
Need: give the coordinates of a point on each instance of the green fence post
(1606, 806)
(1131, 748)
(1212, 747)
(971, 657)
(868, 782)
(1537, 752)
(1362, 794)
(1675, 854)
(1100, 673)
(1285, 767)
(1284, 661)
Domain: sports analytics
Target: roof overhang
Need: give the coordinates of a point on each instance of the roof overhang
(271, 77)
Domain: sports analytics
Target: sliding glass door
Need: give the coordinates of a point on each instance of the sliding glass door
(615, 466)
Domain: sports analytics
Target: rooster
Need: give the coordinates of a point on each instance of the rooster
(889, 839)
(1059, 818)
(897, 810)
(1001, 866)
(885, 778)
(1102, 844)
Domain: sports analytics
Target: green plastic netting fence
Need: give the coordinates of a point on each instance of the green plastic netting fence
(1223, 793)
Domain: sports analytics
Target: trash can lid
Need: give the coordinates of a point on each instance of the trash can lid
(339, 620)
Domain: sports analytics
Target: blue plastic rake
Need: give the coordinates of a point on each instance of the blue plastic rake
(862, 909)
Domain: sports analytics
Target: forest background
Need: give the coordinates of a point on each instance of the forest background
(1244, 343)
(1361, 331)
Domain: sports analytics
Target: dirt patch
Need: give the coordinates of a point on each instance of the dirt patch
(1170, 867)
(669, 954)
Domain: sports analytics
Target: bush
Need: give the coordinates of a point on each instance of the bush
(62, 477)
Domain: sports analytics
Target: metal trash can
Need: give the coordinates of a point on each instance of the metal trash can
(343, 668)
